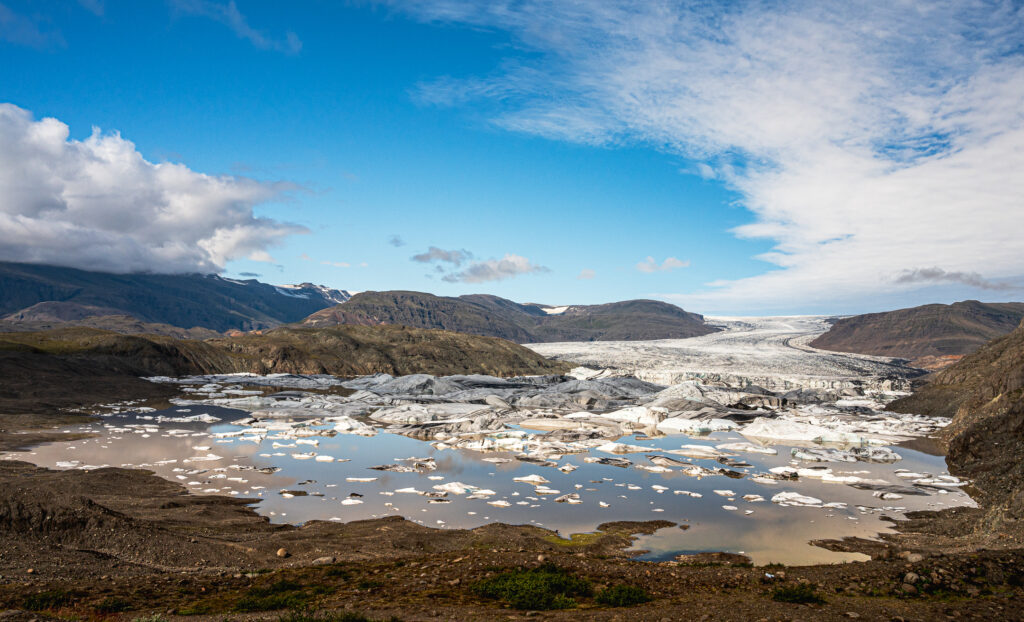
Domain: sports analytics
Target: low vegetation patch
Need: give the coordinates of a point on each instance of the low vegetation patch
(623, 596)
(50, 599)
(544, 587)
(801, 593)
(283, 594)
(112, 604)
(331, 616)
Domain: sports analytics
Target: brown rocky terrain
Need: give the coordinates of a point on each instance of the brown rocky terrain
(984, 393)
(630, 320)
(932, 336)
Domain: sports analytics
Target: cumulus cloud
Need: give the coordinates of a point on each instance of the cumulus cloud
(98, 204)
(439, 254)
(650, 265)
(229, 15)
(864, 139)
(507, 267)
(586, 274)
(396, 241)
(938, 275)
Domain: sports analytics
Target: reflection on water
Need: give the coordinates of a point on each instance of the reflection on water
(348, 489)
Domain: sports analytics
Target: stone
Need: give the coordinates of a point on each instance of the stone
(909, 589)
(322, 561)
(282, 552)
(911, 578)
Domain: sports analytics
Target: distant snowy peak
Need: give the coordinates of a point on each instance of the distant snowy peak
(311, 291)
(553, 310)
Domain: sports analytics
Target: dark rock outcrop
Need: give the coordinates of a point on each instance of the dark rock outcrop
(984, 392)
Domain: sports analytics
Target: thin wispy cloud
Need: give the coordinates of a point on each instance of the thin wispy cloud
(649, 265)
(865, 139)
(507, 267)
(586, 274)
(98, 203)
(396, 241)
(31, 30)
(229, 15)
(336, 264)
(435, 254)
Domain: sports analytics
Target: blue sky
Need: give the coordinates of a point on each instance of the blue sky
(542, 144)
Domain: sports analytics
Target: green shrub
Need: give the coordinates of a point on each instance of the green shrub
(112, 604)
(801, 593)
(623, 596)
(545, 587)
(50, 599)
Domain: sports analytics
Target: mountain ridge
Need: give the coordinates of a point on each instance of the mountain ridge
(185, 300)
(931, 336)
(484, 314)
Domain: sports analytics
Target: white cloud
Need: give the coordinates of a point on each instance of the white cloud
(98, 204)
(434, 254)
(507, 267)
(671, 263)
(336, 264)
(867, 140)
(586, 274)
(229, 15)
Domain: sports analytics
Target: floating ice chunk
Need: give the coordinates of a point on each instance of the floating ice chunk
(725, 493)
(499, 503)
(697, 451)
(638, 414)
(571, 498)
(731, 508)
(567, 468)
(410, 490)
(749, 448)
(360, 480)
(324, 458)
(796, 499)
(682, 425)
(623, 448)
(786, 430)
(456, 488)
(531, 479)
(753, 498)
(306, 456)
(351, 501)
(544, 490)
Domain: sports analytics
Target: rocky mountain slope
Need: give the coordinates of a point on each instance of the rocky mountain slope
(30, 294)
(523, 323)
(932, 336)
(984, 392)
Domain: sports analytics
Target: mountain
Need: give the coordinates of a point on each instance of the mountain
(984, 393)
(31, 293)
(932, 336)
(481, 314)
(72, 366)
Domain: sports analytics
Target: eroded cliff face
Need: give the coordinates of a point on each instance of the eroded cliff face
(984, 393)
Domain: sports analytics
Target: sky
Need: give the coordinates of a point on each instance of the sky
(740, 158)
